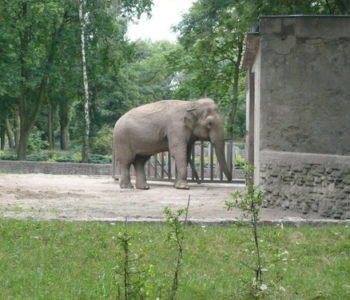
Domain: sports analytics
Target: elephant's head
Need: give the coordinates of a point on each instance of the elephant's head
(203, 119)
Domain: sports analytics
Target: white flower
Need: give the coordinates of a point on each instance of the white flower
(263, 287)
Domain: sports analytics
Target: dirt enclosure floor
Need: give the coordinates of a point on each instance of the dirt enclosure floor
(99, 198)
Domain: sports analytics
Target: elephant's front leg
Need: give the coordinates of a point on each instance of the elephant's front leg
(179, 153)
(190, 160)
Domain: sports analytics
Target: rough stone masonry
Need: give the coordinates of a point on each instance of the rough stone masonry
(307, 183)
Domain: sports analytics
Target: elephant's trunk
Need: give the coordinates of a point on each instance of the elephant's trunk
(220, 155)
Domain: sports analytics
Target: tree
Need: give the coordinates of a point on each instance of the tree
(34, 32)
(82, 20)
(106, 50)
(150, 77)
(212, 36)
(33, 35)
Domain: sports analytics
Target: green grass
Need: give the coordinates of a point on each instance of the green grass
(76, 260)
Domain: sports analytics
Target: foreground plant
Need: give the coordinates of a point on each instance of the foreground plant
(138, 280)
(250, 203)
(130, 269)
(177, 235)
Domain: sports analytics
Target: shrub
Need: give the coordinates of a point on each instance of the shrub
(35, 141)
(8, 155)
(240, 162)
(100, 159)
(102, 143)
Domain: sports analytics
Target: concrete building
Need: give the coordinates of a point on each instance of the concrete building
(298, 112)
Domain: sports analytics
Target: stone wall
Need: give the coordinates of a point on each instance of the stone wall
(31, 167)
(27, 167)
(307, 182)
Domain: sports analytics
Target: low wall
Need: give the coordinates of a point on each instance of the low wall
(27, 167)
(307, 182)
(54, 168)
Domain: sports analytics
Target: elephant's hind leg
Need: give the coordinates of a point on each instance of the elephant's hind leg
(139, 165)
(124, 180)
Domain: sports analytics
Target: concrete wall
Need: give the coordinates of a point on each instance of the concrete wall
(305, 84)
(257, 108)
(302, 86)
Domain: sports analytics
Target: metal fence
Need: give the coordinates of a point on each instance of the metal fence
(205, 165)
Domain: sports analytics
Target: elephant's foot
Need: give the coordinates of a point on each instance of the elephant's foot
(142, 186)
(126, 185)
(182, 185)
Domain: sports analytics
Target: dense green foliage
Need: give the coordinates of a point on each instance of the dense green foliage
(41, 80)
(74, 260)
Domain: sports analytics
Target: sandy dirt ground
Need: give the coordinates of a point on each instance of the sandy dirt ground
(99, 198)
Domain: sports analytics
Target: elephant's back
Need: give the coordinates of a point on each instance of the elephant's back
(159, 107)
(149, 113)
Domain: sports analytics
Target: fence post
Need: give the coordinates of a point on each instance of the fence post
(202, 160)
(162, 165)
(220, 170)
(211, 162)
(169, 165)
(193, 154)
(155, 166)
(148, 167)
(229, 155)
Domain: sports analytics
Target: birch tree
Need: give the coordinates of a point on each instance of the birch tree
(86, 121)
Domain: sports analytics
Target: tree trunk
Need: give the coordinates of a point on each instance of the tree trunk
(17, 127)
(23, 142)
(86, 121)
(2, 137)
(51, 127)
(29, 116)
(10, 134)
(29, 111)
(235, 90)
(64, 126)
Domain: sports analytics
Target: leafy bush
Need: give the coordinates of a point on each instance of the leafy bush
(240, 162)
(8, 155)
(39, 156)
(100, 159)
(74, 157)
(59, 156)
(35, 141)
(102, 143)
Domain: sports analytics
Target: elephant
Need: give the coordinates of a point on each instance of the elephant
(167, 125)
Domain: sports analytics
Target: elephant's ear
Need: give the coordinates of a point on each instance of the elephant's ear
(209, 122)
(190, 116)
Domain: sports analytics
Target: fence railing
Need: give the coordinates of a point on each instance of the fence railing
(205, 167)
